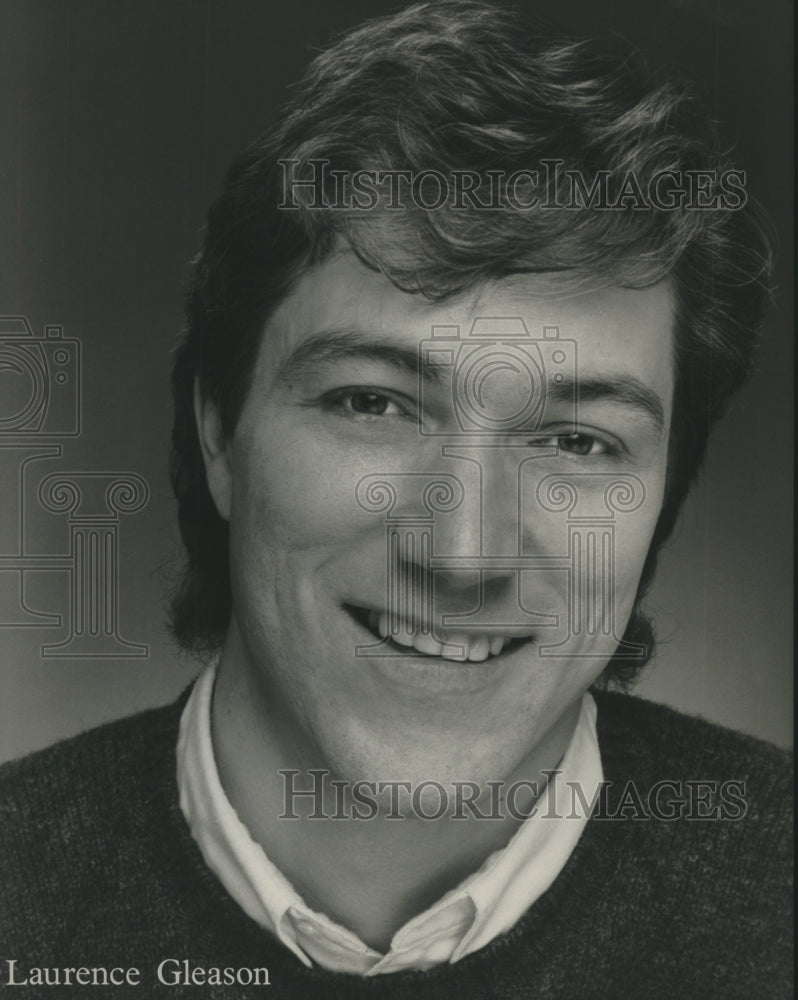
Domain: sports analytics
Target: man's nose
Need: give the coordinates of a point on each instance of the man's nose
(488, 521)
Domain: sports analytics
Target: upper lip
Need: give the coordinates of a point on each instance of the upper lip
(444, 632)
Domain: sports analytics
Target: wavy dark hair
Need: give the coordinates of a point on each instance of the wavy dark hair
(453, 86)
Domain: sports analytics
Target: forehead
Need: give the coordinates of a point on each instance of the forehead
(618, 331)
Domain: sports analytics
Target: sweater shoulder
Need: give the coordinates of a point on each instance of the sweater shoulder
(659, 737)
(700, 823)
(87, 767)
(654, 753)
(75, 815)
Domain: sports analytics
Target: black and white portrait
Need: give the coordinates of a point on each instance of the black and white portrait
(396, 489)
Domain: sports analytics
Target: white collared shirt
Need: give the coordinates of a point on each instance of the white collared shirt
(484, 905)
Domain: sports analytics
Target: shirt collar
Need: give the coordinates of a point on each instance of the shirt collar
(484, 905)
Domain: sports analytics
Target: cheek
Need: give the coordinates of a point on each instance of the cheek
(632, 543)
(609, 544)
(291, 496)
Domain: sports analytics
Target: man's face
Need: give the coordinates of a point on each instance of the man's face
(501, 611)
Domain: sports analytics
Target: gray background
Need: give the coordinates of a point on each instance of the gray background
(117, 122)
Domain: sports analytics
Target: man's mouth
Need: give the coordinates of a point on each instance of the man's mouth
(455, 645)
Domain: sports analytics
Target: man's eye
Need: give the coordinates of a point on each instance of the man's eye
(576, 444)
(365, 403)
(375, 404)
(581, 444)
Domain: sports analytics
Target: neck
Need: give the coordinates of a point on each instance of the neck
(370, 876)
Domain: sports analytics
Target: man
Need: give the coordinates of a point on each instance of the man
(459, 330)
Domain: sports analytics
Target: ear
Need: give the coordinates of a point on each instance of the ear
(215, 452)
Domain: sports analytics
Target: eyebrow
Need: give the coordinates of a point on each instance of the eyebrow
(625, 390)
(331, 347)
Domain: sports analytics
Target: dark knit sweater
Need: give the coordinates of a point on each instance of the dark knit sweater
(99, 869)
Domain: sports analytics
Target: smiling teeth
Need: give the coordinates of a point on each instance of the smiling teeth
(458, 647)
(495, 644)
